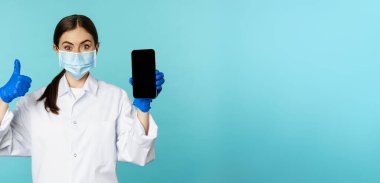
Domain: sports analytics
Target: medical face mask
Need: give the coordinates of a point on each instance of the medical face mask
(78, 64)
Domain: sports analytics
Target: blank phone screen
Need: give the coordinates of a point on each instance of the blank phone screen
(144, 73)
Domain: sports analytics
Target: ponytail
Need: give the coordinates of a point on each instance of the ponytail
(51, 93)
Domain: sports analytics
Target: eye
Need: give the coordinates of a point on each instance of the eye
(86, 46)
(67, 48)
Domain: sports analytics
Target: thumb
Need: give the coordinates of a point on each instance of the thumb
(17, 67)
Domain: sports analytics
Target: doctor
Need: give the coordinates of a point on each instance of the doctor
(77, 127)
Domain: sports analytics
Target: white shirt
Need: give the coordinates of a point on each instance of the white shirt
(77, 92)
(83, 143)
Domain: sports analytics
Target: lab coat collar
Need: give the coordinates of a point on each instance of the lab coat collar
(90, 85)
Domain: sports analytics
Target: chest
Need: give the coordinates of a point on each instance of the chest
(81, 122)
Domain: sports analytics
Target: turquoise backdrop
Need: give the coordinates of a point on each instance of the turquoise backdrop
(274, 91)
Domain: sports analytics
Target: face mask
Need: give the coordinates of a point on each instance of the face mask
(78, 64)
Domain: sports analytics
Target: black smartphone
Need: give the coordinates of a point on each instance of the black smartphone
(144, 73)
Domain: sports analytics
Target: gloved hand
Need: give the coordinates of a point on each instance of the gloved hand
(18, 85)
(144, 104)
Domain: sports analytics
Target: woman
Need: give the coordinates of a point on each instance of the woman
(77, 127)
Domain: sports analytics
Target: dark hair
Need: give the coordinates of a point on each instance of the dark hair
(66, 24)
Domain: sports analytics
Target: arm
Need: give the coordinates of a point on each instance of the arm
(15, 136)
(143, 105)
(14, 131)
(134, 144)
(137, 131)
(144, 120)
(3, 109)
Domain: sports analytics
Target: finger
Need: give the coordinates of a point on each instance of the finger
(160, 82)
(17, 67)
(159, 76)
(26, 78)
(21, 91)
(131, 81)
(158, 87)
(158, 91)
(158, 72)
(25, 82)
(26, 85)
(22, 85)
(18, 85)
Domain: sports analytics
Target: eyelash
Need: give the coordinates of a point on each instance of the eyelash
(86, 46)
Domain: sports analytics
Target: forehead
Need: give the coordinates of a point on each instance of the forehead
(76, 36)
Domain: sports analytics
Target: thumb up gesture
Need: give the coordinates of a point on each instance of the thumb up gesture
(18, 85)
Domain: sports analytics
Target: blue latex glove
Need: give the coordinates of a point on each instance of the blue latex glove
(144, 104)
(18, 85)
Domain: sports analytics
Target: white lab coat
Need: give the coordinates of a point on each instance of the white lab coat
(83, 143)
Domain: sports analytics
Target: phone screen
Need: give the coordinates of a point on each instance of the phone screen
(144, 73)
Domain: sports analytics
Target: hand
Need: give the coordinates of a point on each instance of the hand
(144, 104)
(18, 85)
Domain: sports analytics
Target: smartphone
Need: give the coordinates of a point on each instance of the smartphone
(144, 73)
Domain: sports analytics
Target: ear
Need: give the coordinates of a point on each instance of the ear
(97, 47)
(55, 48)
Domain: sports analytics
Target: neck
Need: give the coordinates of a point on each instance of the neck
(73, 83)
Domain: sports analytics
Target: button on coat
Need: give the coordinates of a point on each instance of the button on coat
(83, 143)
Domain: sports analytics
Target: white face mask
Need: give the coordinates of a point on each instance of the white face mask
(78, 64)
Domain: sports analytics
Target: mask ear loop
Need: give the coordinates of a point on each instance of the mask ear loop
(60, 58)
(95, 54)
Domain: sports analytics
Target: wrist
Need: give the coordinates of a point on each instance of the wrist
(142, 104)
(2, 103)
(2, 100)
(3, 96)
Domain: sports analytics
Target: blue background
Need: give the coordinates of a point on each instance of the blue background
(256, 91)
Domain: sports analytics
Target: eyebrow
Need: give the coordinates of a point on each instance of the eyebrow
(67, 42)
(73, 44)
(85, 41)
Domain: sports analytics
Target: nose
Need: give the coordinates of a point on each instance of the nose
(77, 49)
